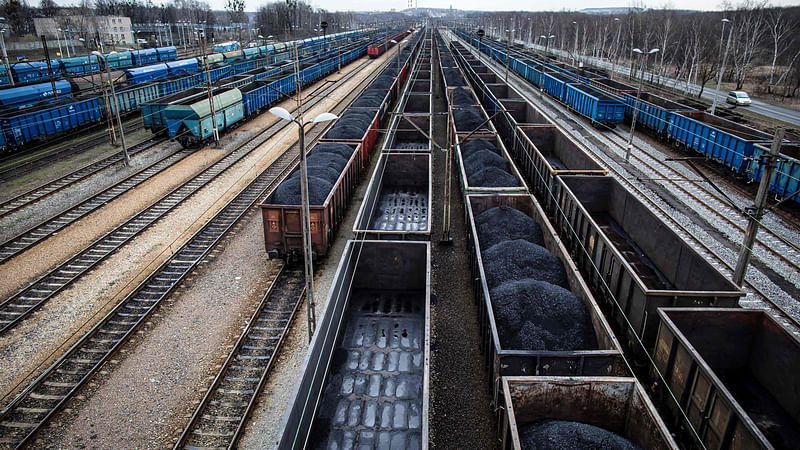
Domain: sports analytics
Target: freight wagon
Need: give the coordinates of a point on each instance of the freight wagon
(618, 405)
(283, 232)
(397, 205)
(632, 259)
(379, 304)
(190, 121)
(732, 373)
(595, 350)
(51, 119)
(153, 112)
(598, 106)
(544, 152)
(719, 139)
(786, 179)
(652, 112)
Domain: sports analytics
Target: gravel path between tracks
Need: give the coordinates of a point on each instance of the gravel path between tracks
(168, 347)
(65, 164)
(38, 212)
(145, 398)
(74, 238)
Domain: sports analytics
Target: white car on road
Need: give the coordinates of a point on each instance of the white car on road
(738, 98)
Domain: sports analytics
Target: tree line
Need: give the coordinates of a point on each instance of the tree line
(764, 48)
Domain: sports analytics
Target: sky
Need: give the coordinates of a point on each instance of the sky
(502, 5)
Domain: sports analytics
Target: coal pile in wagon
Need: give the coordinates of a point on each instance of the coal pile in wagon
(536, 315)
(462, 97)
(370, 99)
(503, 223)
(567, 435)
(453, 77)
(476, 145)
(351, 126)
(518, 259)
(468, 119)
(325, 164)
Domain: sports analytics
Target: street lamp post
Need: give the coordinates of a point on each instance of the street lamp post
(5, 54)
(89, 57)
(638, 94)
(307, 255)
(58, 40)
(722, 67)
(508, 46)
(116, 106)
(547, 42)
(616, 48)
(398, 56)
(575, 47)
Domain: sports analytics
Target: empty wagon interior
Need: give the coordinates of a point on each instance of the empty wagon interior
(561, 152)
(375, 391)
(523, 112)
(398, 199)
(756, 359)
(407, 133)
(727, 126)
(661, 259)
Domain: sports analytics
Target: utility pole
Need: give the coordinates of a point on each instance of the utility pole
(210, 93)
(49, 67)
(721, 71)
(756, 212)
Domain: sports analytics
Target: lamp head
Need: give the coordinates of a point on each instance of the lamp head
(636, 50)
(655, 50)
(324, 117)
(725, 20)
(282, 113)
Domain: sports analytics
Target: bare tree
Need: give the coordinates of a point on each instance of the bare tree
(779, 30)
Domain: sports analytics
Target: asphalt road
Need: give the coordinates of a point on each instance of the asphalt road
(758, 107)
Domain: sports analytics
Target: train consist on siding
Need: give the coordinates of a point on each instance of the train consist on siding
(379, 307)
(603, 101)
(30, 114)
(358, 130)
(572, 286)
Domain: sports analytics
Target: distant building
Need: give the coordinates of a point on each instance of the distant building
(112, 30)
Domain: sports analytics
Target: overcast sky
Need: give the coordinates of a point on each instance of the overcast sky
(500, 5)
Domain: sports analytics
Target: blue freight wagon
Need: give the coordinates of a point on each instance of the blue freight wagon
(728, 142)
(653, 111)
(183, 66)
(151, 72)
(144, 56)
(226, 47)
(24, 96)
(555, 84)
(79, 65)
(153, 112)
(44, 121)
(166, 53)
(786, 179)
(33, 71)
(3, 75)
(190, 122)
(595, 104)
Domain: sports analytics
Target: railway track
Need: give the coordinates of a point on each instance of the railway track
(37, 403)
(43, 191)
(27, 300)
(29, 238)
(555, 108)
(218, 421)
(49, 156)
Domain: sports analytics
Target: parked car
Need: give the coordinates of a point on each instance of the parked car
(739, 98)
